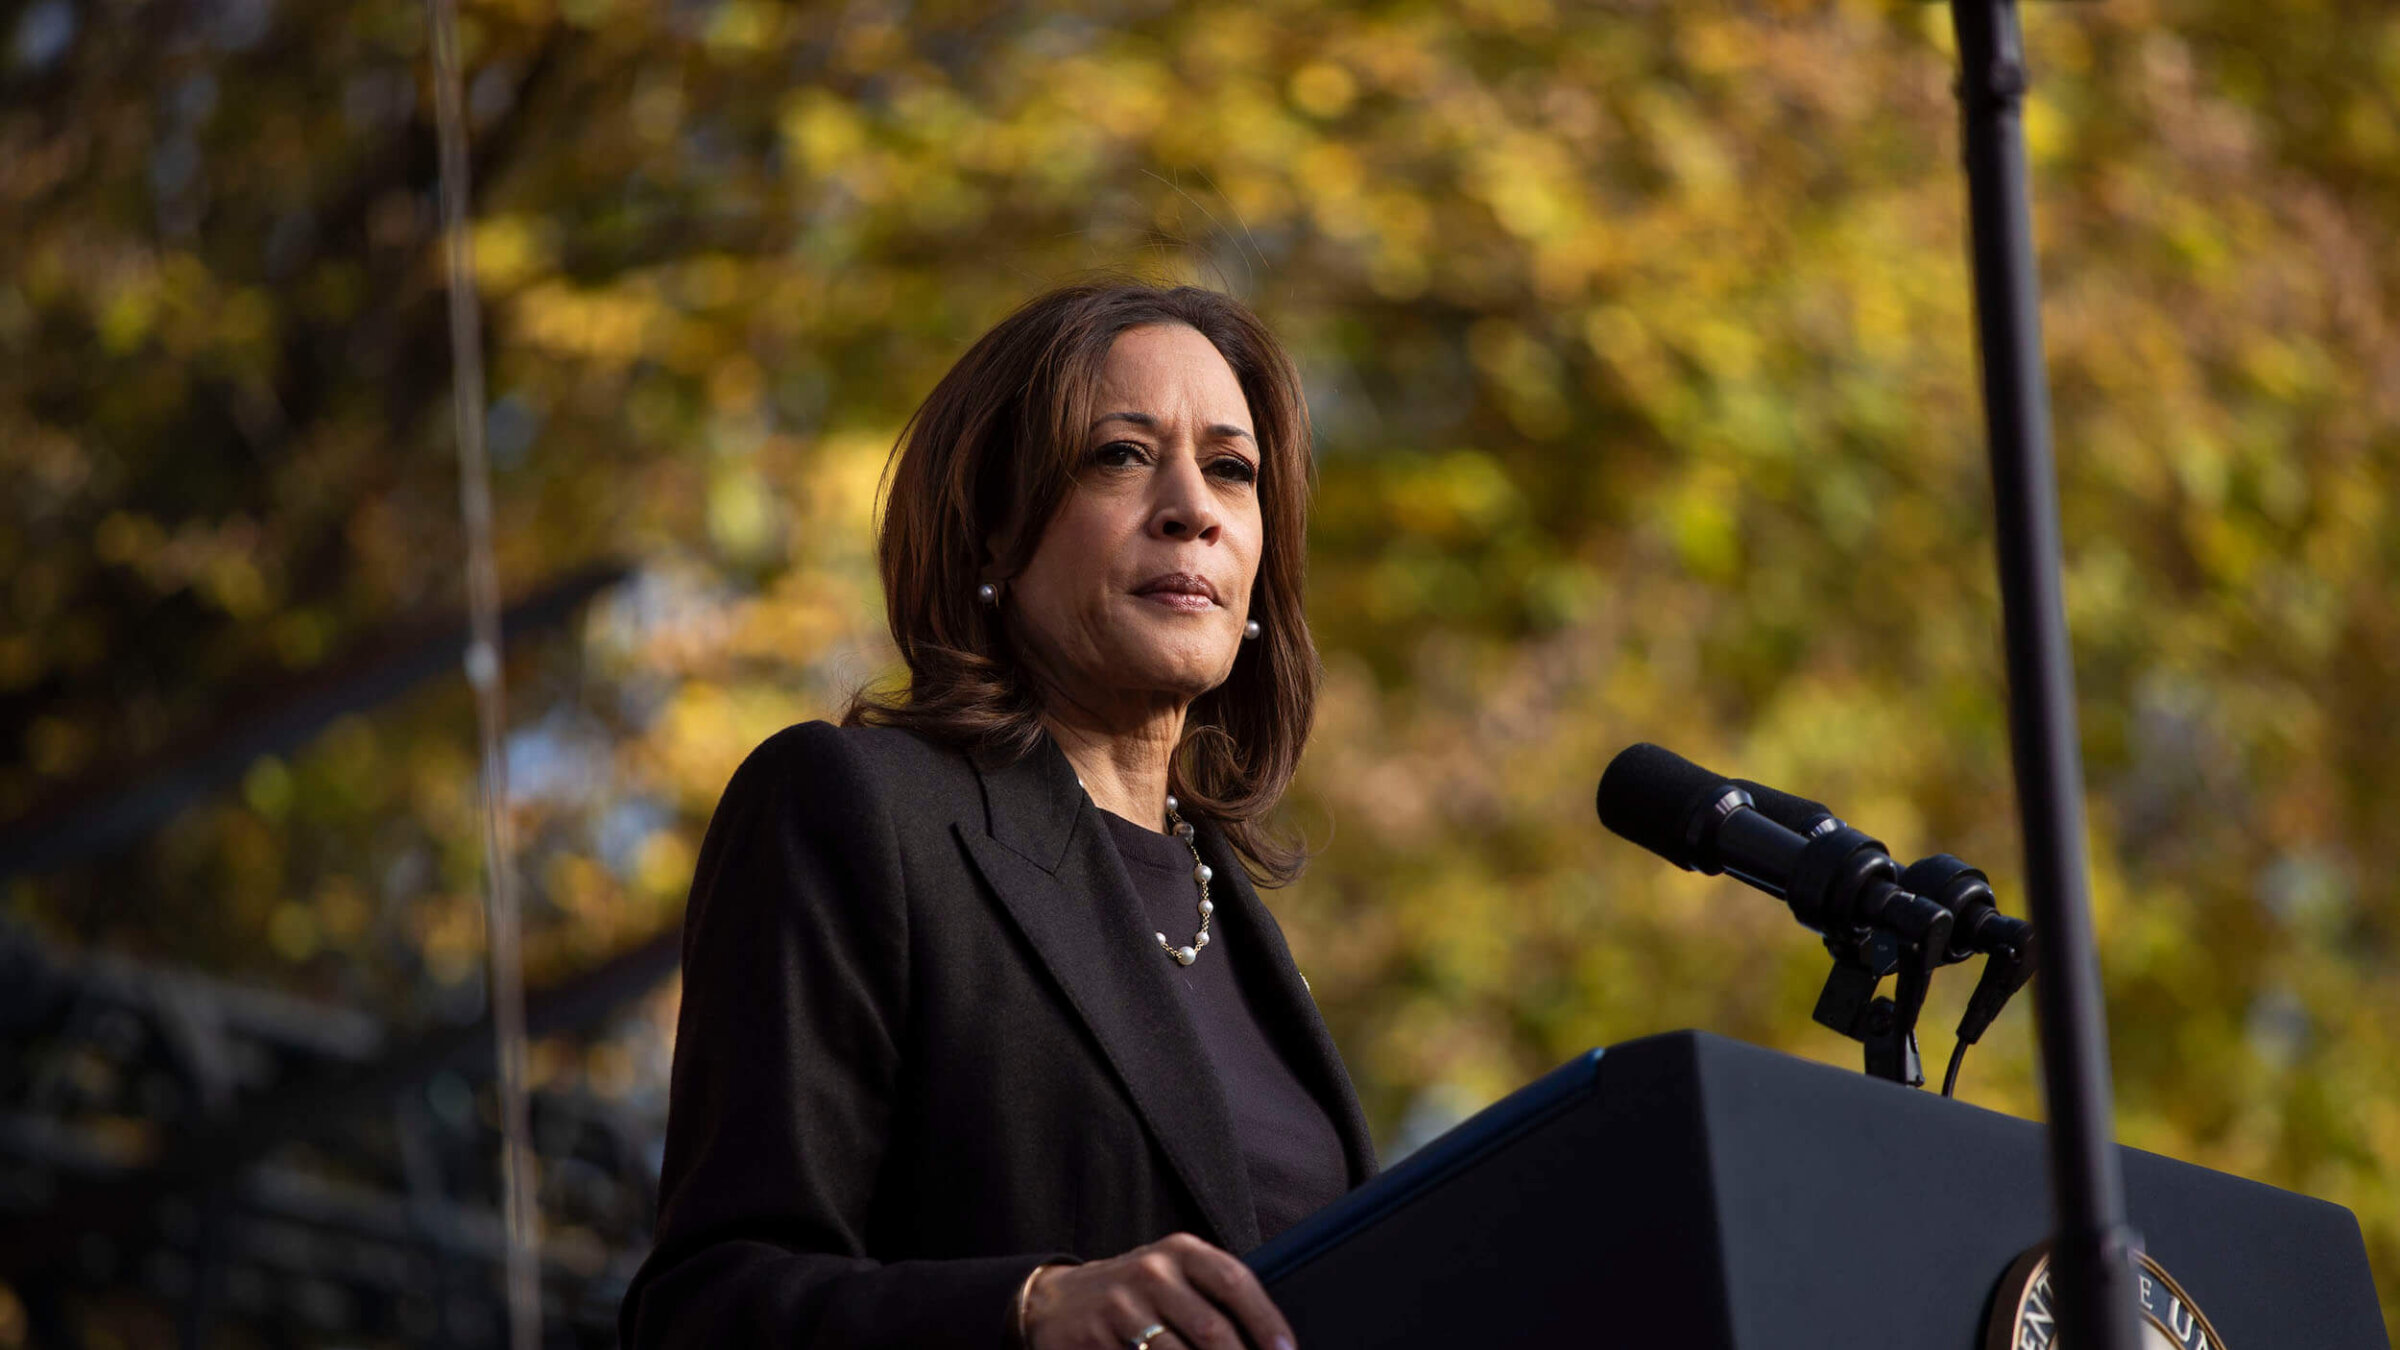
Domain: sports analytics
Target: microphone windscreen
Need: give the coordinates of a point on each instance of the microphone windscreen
(1797, 814)
(1650, 794)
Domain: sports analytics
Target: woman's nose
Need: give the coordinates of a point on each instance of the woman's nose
(1183, 509)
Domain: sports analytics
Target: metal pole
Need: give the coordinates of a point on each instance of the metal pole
(2091, 1254)
(502, 922)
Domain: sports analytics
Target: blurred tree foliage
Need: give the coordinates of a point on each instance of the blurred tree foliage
(1640, 340)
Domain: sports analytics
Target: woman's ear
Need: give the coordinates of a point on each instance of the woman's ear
(999, 546)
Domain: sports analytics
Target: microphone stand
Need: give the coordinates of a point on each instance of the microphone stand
(2091, 1257)
(1887, 1027)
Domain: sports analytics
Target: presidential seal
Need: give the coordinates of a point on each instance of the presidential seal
(2025, 1312)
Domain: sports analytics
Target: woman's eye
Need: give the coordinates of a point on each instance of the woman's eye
(1117, 454)
(1235, 469)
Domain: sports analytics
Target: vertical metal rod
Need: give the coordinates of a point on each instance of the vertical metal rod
(2091, 1255)
(484, 674)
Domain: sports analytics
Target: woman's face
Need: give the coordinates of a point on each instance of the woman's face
(1138, 590)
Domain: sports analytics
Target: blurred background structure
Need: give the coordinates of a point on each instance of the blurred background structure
(1640, 345)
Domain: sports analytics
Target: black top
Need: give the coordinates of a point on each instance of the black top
(927, 1042)
(1288, 1142)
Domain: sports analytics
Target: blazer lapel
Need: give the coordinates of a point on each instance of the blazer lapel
(1049, 860)
(1290, 1004)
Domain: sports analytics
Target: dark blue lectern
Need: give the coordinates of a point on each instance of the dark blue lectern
(1694, 1192)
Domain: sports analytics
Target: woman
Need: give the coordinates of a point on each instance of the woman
(986, 1038)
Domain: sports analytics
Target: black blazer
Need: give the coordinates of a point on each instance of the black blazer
(926, 1043)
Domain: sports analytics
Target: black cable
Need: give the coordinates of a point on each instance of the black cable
(1958, 1056)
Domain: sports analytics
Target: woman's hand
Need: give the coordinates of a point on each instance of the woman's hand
(1203, 1296)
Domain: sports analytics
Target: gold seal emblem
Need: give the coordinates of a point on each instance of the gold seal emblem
(2025, 1311)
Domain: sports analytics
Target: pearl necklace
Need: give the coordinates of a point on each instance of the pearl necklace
(1184, 956)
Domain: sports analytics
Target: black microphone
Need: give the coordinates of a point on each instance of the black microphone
(1978, 925)
(1687, 815)
(1967, 893)
(1797, 814)
(1834, 879)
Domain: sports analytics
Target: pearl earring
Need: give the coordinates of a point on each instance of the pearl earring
(989, 594)
(1250, 629)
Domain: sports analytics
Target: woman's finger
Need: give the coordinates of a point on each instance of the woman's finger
(1231, 1285)
(1190, 1316)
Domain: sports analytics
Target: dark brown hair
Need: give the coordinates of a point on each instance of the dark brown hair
(991, 454)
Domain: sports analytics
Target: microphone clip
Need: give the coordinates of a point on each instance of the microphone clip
(1886, 1026)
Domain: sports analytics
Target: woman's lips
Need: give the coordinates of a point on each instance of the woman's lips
(1185, 601)
(1188, 592)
